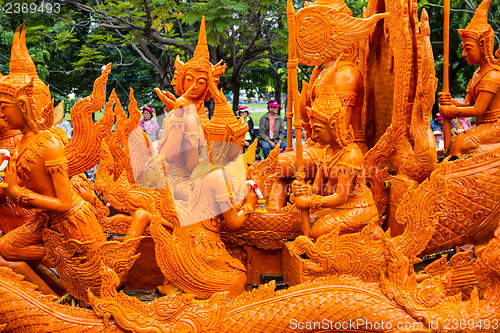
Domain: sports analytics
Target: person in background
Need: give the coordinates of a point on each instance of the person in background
(272, 129)
(161, 113)
(437, 124)
(148, 124)
(303, 133)
(243, 111)
(438, 137)
(459, 125)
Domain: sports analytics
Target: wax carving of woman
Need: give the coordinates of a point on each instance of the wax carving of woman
(183, 137)
(196, 259)
(339, 197)
(483, 93)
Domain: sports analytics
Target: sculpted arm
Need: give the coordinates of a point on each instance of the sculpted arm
(234, 218)
(56, 167)
(483, 101)
(488, 87)
(346, 170)
(173, 142)
(341, 190)
(319, 182)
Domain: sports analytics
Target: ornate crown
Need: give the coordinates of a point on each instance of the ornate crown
(200, 62)
(328, 108)
(479, 23)
(22, 70)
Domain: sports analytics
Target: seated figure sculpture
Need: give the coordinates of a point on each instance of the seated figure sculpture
(350, 206)
(12, 216)
(349, 87)
(483, 93)
(40, 164)
(196, 260)
(37, 177)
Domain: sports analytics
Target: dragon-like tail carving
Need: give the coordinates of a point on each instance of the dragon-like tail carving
(20, 301)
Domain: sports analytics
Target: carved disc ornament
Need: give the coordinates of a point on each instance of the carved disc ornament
(316, 37)
(324, 33)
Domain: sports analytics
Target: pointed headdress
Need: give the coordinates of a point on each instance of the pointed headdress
(328, 108)
(479, 29)
(200, 62)
(479, 23)
(23, 79)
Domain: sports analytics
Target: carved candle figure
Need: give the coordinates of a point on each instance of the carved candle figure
(196, 259)
(37, 177)
(350, 205)
(183, 138)
(194, 73)
(347, 82)
(483, 98)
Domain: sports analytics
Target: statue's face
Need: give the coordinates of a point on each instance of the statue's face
(471, 50)
(320, 132)
(10, 113)
(199, 80)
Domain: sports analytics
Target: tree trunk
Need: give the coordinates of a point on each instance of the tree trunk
(278, 89)
(236, 92)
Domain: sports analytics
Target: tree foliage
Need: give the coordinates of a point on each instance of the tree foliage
(141, 38)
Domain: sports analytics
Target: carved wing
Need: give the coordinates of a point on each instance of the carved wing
(59, 112)
(323, 32)
(83, 150)
(249, 155)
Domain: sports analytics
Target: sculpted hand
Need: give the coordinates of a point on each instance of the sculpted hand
(167, 98)
(448, 111)
(251, 197)
(10, 179)
(182, 103)
(299, 188)
(445, 98)
(303, 203)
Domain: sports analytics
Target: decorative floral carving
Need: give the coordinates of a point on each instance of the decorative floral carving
(267, 240)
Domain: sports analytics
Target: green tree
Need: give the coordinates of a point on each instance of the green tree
(69, 50)
(239, 32)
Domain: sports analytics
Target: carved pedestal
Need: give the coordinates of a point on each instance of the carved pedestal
(292, 267)
(145, 273)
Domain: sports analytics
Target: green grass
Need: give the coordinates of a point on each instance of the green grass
(256, 112)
